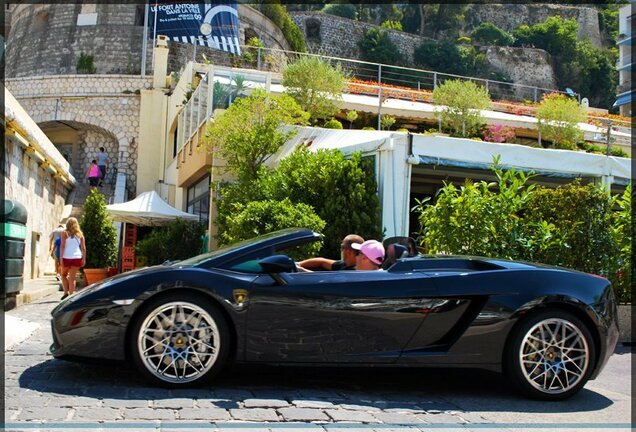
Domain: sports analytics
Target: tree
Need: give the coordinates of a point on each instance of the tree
(489, 33)
(316, 85)
(445, 56)
(558, 117)
(556, 35)
(99, 232)
(592, 72)
(376, 46)
(249, 132)
(460, 104)
(329, 182)
(345, 10)
(351, 117)
(261, 217)
(386, 122)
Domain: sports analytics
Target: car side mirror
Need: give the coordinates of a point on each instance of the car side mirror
(278, 264)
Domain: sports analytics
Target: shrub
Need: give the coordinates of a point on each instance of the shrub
(476, 220)
(99, 233)
(261, 217)
(250, 53)
(573, 226)
(498, 133)
(392, 25)
(333, 124)
(618, 152)
(344, 10)
(278, 14)
(460, 104)
(178, 240)
(582, 217)
(490, 34)
(558, 117)
(376, 46)
(85, 64)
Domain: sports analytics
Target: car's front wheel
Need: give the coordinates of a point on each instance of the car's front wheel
(179, 340)
(551, 355)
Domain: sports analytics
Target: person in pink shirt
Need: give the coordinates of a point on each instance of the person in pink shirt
(94, 174)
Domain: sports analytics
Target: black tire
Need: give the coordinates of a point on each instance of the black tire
(558, 355)
(179, 340)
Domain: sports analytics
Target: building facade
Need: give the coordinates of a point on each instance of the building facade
(625, 92)
(36, 175)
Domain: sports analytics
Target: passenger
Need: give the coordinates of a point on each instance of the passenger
(370, 256)
(347, 259)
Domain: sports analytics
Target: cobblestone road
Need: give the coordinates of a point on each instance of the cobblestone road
(43, 394)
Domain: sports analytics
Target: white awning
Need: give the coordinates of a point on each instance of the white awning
(147, 209)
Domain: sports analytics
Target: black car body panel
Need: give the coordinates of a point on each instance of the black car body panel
(423, 311)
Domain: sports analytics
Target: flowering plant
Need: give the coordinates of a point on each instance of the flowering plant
(498, 133)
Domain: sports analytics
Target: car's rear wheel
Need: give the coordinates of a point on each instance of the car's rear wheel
(551, 355)
(179, 340)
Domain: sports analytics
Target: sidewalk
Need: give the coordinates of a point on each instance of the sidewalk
(18, 328)
(35, 289)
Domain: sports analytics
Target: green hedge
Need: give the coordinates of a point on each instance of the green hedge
(577, 226)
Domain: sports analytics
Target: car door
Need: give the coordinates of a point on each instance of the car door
(335, 317)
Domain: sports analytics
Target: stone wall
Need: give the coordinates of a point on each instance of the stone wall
(105, 109)
(510, 16)
(527, 66)
(43, 195)
(46, 40)
(338, 37)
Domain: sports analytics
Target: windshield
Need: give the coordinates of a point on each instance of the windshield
(234, 246)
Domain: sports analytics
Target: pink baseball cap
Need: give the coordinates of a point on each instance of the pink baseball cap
(372, 249)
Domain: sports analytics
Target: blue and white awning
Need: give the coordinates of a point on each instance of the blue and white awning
(213, 25)
(624, 98)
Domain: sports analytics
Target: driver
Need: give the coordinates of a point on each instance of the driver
(347, 259)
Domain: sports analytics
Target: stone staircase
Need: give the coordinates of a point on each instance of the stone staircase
(81, 191)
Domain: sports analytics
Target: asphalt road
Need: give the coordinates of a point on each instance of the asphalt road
(44, 394)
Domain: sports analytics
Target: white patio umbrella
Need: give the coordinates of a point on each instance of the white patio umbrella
(147, 209)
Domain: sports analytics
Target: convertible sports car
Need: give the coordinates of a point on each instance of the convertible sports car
(549, 330)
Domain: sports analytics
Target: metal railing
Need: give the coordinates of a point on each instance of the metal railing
(419, 79)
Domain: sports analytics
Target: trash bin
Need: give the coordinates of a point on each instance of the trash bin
(13, 236)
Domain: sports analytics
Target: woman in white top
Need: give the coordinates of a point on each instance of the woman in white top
(72, 254)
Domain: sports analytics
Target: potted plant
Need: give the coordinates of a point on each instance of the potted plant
(101, 237)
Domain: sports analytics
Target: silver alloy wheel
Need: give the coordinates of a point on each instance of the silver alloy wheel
(178, 342)
(554, 356)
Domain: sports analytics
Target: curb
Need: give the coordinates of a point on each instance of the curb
(36, 289)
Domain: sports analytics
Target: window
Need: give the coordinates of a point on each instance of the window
(199, 199)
